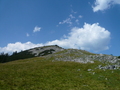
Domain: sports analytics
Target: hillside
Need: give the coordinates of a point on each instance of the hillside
(55, 68)
(33, 52)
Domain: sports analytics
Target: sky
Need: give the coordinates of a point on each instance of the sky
(92, 25)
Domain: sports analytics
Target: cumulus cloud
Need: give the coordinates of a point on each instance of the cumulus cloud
(37, 29)
(89, 37)
(104, 4)
(18, 46)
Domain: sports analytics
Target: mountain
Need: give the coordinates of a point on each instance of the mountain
(45, 50)
(61, 54)
(82, 56)
(55, 68)
(33, 52)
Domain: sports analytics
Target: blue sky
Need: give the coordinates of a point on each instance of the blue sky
(91, 25)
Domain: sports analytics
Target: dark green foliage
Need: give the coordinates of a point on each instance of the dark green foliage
(46, 52)
(4, 57)
(118, 56)
(21, 55)
(15, 56)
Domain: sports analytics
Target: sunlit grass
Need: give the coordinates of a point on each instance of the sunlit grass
(41, 74)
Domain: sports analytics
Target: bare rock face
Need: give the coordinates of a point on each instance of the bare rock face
(45, 50)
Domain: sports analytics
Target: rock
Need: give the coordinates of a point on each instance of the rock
(42, 51)
(89, 69)
(75, 55)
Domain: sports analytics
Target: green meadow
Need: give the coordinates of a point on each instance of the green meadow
(40, 73)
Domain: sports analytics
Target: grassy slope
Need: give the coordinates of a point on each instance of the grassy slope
(40, 73)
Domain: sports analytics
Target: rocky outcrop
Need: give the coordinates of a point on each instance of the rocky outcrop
(75, 55)
(82, 56)
(45, 50)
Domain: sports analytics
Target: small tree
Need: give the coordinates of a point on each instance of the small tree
(14, 53)
(118, 56)
(4, 57)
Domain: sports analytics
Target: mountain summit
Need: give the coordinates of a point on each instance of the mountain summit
(45, 50)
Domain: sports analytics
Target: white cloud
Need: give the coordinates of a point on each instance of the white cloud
(68, 21)
(18, 46)
(80, 16)
(104, 4)
(37, 29)
(27, 34)
(89, 37)
(71, 16)
(73, 11)
(77, 21)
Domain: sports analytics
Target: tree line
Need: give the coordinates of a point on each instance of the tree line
(5, 57)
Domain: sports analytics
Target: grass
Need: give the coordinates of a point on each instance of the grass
(41, 74)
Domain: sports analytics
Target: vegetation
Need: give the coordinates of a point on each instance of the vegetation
(46, 73)
(5, 57)
(118, 56)
(40, 73)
